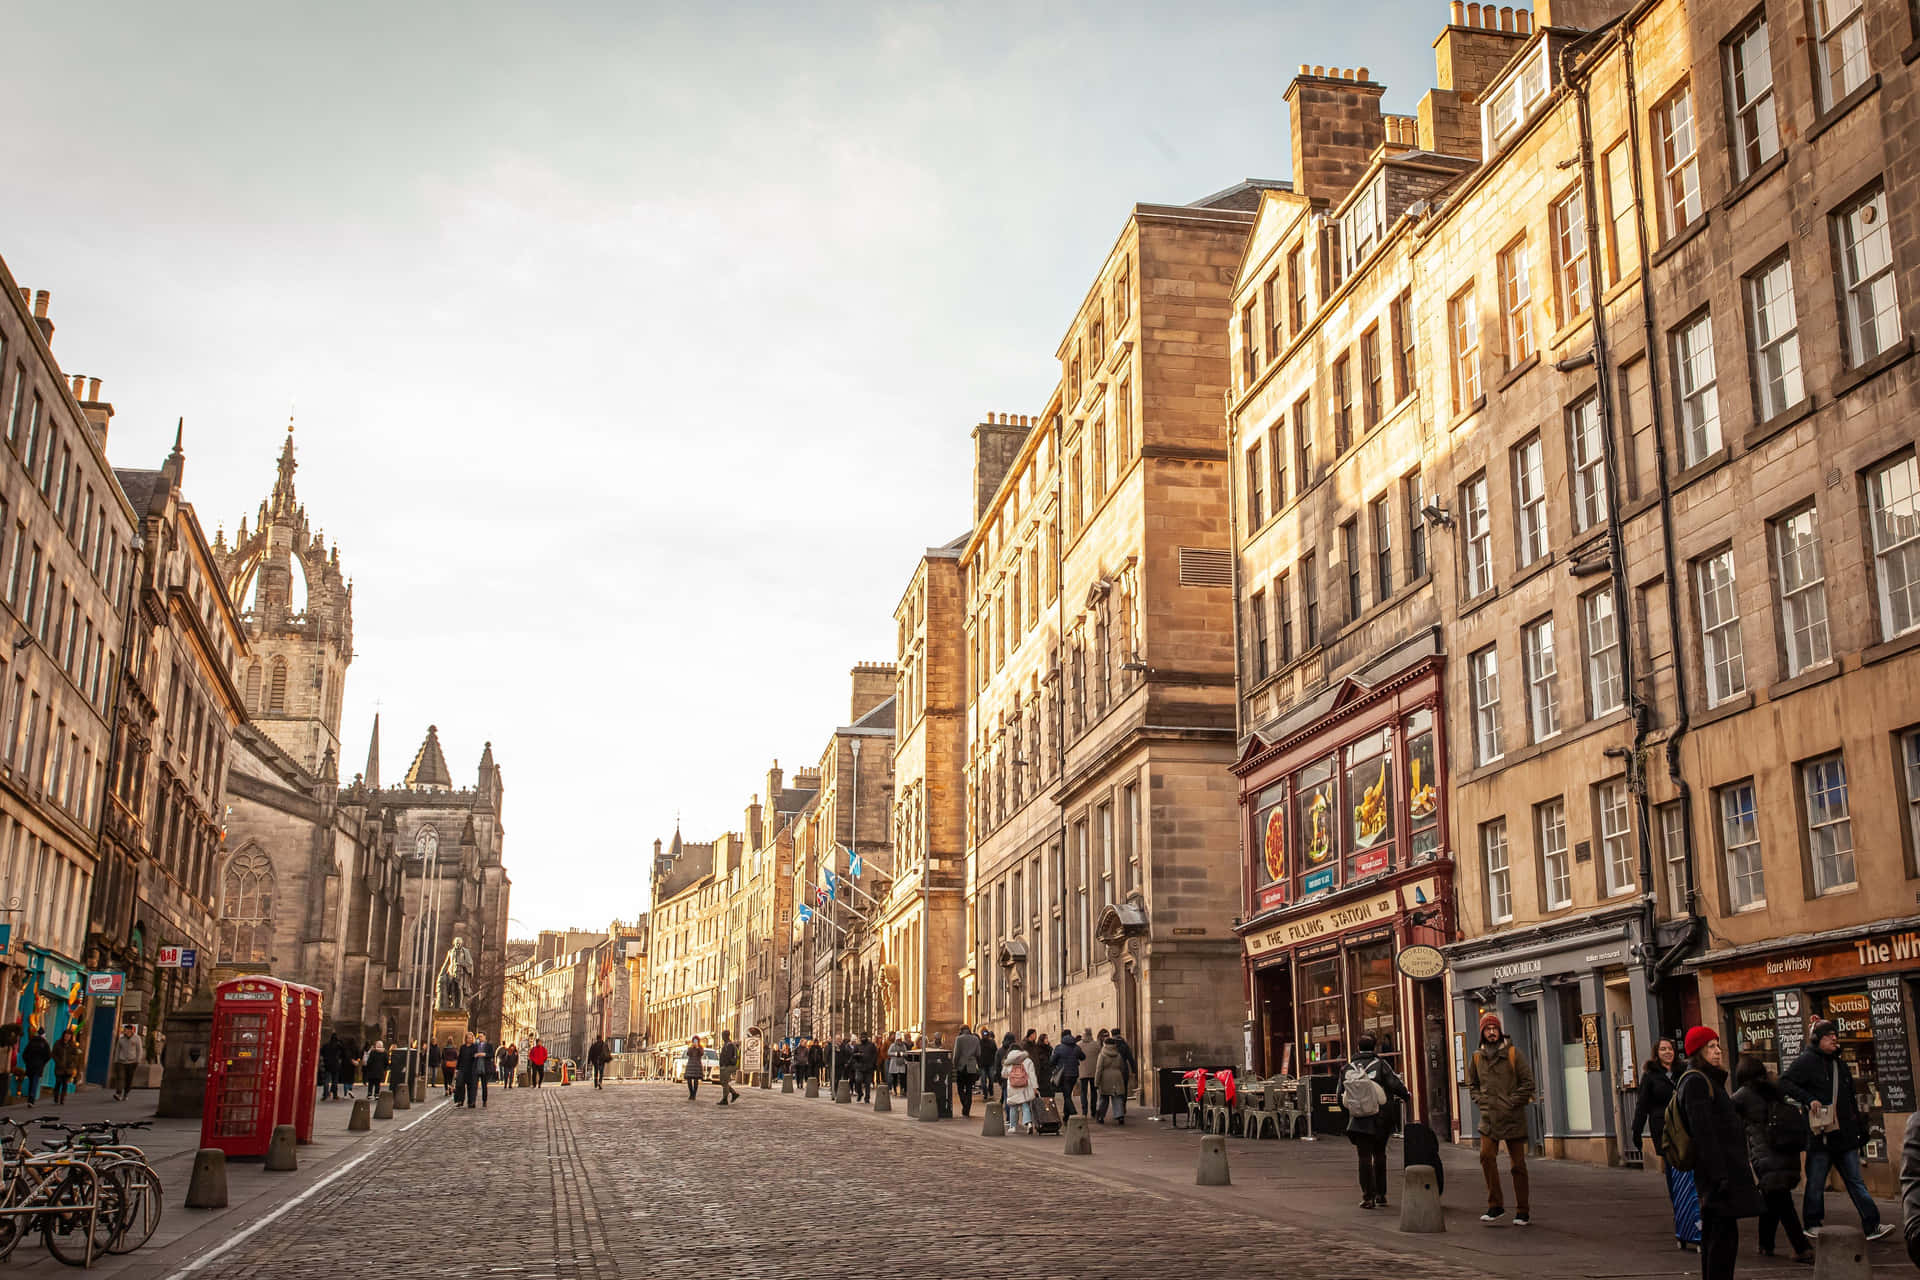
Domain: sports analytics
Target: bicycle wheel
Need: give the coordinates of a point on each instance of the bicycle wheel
(81, 1216)
(137, 1188)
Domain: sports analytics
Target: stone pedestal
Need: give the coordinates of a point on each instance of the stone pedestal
(1420, 1211)
(183, 1062)
(449, 1023)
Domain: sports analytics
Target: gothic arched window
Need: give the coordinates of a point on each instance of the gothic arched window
(277, 690)
(246, 910)
(253, 686)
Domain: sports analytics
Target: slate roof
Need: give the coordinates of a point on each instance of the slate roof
(881, 717)
(138, 485)
(429, 767)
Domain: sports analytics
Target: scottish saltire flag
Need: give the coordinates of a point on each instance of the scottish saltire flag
(833, 882)
(806, 913)
(853, 863)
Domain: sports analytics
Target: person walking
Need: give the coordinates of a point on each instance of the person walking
(866, 1056)
(349, 1065)
(374, 1068)
(1065, 1063)
(126, 1056)
(66, 1062)
(1370, 1091)
(509, 1064)
(897, 1067)
(989, 1062)
(729, 1065)
(1657, 1080)
(449, 1065)
(1118, 1040)
(1021, 1089)
(330, 1054)
(966, 1068)
(1500, 1082)
(537, 1062)
(598, 1055)
(480, 1069)
(1086, 1078)
(33, 1060)
(463, 1073)
(1820, 1080)
(694, 1064)
(1719, 1143)
(1112, 1079)
(816, 1060)
(1776, 1135)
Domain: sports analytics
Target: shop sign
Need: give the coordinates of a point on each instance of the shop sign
(1590, 1034)
(1421, 961)
(1892, 1065)
(1871, 954)
(175, 958)
(1518, 969)
(6, 939)
(1274, 895)
(1789, 1026)
(1373, 862)
(1317, 882)
(1374, 909)
(105, 984)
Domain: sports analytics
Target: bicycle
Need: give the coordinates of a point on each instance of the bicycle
(57, 1195)
(131, 1189)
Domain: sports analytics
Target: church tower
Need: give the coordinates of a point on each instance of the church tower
(298, 612)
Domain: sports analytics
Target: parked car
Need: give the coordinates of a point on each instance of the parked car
(709, 1062)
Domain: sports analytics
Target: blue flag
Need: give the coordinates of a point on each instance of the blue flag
(806, 913)
(833, 882)
(853, 864)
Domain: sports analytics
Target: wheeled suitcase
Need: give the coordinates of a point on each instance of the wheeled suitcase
(1421, 1146)
(1046, 1114)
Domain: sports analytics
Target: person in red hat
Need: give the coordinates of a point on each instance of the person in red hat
(1501, 1084)
(1728, 1192)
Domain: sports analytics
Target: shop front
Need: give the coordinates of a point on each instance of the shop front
(1348, 888)
(1765, 998)
(1576, 1003)
(52, 1000)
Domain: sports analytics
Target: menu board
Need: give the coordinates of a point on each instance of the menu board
(1893, 1065)
(1789, 1027)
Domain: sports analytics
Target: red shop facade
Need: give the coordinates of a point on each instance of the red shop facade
(1346, 867)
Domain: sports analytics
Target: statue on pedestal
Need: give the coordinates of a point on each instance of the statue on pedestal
(456, 977)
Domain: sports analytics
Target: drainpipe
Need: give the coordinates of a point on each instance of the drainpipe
(1060, 679)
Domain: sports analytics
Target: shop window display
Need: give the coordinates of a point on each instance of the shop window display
(1370, 805)
(1275, 866)
(1316, 831)
(1323, 1010)
(1375, 1009)
(1423, 793)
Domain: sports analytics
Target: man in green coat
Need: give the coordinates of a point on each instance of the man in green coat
(1501, 1083)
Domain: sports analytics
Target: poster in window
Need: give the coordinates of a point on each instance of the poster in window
(1370, 789)
(1273, 843)
(1313, 806)
(1893, 1065)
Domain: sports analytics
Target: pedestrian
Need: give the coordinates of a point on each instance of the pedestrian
(66, 1062)
(126, 1056)
(374, 1068)
(866, 1056)
(1046, 1081)
(463, 1073)
(33, 1060)
(692, 1067)
(1086, 1080)
(537, 1062)
(1821, 1081)
(1021, 1089)
(479, 1070)
(1370, 1093)
(1500, 1082)
(1065, 1064)
(1112, 1079)
(1910, 1187)
(1008, 1044)
(509, 1064)
(1657, 1081)
(349, 1064)
(966, 1067)
(1719, 1142)
(449, 1065)
(598, 1055)
(729, 1064)
(329, 1066)
(989, 1062)
(1776, 1135)
(897, 1066)
(816, 1060)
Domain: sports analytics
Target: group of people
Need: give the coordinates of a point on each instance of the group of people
(695, 1067)
(466, 1069)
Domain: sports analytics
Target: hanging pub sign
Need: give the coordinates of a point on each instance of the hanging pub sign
(1421, 961)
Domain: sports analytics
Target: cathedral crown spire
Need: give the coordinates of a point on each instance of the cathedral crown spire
(283, 500)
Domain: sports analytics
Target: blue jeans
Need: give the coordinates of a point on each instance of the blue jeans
(1021, 1116)
(1814, 1203)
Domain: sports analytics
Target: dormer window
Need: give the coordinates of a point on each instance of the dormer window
(1364, 225)
(1514, 102)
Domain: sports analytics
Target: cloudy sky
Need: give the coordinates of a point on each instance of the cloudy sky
(633, 349)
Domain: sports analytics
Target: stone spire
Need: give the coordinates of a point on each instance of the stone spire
(429, 772)
(283, 502)
(373, 756)
(489, 785)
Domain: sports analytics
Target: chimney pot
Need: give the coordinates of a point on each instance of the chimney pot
(1362, 74)
(1458, 12)
(1305, 70)
(1319, 70)
(1523, 21)
(93, 389)
(1506, 17)
(40, 301)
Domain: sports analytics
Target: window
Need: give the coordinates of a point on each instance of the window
(1623, 239)
(1893, 502)
(1866, 276)
(1530, 500)
(1556, 874)
(1464, 336)
(1256, 488)
(1840, 26)
(1516, 304)
(1310, 600)
(1415, 504)
(277, 687)
(1123, 292)
(13, 405)
(1740, 839)
(1350, 549)
(1277, 452)
(1756, 134)
(1803, 590)
(1587, 463)
(246, 910)
(1270, 301)
(1513, 103)
(1372, 385)
(1382, 548)
(1602, 629)
(1485, 669)
(1400, 316)
(1258, 610)
(1616, 843)
(1572, 283)
(1673, 851)
(1698, 388)
(1829, 824)
(1910, 762)
(1342, 404)
(1543, 701)
(1303, 440)
(1773, 331)
(1473, 501)
(1720, 626)
(1364, 224)
(1249, 347)
(1296, 289)
(1283, 610)
(1674, 151)
(1123, 425)
(1493, 851)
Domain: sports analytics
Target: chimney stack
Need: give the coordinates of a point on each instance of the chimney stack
(93, 389)
(40, 301)
(1336, 126)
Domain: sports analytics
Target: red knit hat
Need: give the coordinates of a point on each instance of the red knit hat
(1699, 1038)
(1490, 1019)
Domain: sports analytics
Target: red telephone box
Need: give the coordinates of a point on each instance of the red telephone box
(299, 1081)
(251, 1018)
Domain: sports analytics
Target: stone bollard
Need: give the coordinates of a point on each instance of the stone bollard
(786, 1084)
(383, 1106)
(1420, 1212)
(280, 1156)
(362, 1118)
(419, 1089)
(401, 1102)
(207, 1189)
(883, 1100)
(1079, 1140)
(1212, 1171)
(843, 1091)
(766, 1081)
(813, 1087)
(995, 1125)
(1840, 1253)
(928, 1108)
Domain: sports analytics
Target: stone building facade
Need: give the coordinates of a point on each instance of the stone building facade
(687, 910)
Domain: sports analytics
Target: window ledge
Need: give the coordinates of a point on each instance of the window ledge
(1586, 539)
(1890, 648)
(1514, 374)
(1779, 422)
(1566, 332)
(1731, 707)
(1745, 186)
(1848, 380)
(1539, 566)
(1479, 602)
(1839, 890)
(1619, 287)
(1805, 680)
(1840, 110)
(1682, 238)
(1703, 468)
(1467, 412)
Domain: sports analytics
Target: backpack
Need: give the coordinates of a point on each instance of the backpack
(1017, 1075)
(1676, 1140)
(1360, 1093)
(1787, 1128)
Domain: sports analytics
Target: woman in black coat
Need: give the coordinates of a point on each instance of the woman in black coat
(1720, 1168)
(1776, 1164)
(1657, 1080)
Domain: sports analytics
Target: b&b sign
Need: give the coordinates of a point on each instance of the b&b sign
(176, 958)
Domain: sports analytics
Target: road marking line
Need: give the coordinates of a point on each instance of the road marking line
(277, 1212)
